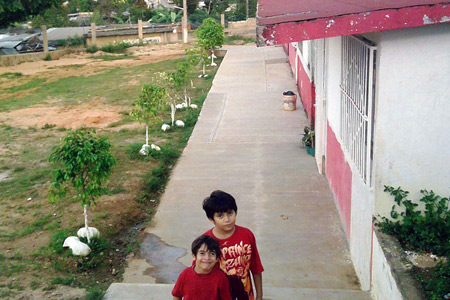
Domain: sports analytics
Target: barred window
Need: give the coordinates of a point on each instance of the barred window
(357, 94)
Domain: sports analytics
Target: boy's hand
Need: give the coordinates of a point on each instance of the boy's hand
(258, 286)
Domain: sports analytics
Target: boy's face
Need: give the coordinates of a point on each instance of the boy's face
(205, 260)
(225, 221)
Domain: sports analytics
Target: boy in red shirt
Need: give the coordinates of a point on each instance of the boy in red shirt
(239, 255)
(203, 280)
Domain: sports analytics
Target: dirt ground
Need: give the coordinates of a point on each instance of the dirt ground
(92, 114)
(122, 209)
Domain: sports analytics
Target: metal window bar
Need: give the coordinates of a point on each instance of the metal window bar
(357, 80)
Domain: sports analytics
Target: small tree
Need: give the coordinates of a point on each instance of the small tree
(86, 165)
(171, 84)
(210, 36)
(149, 104)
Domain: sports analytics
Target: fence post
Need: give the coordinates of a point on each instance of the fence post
(222, 20)
(93, 35)
(44, 39)
(140, 32)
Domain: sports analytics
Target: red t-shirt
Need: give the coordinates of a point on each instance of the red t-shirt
(239, 256)
(193, 286)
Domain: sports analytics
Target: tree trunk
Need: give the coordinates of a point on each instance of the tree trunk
(172, 112)
(146, 135)
(86, 224)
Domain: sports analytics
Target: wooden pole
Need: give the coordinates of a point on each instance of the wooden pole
(44, 38)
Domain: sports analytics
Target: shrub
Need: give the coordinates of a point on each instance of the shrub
(427, 231)
(437, 284)
(92, 49)
(116, 48)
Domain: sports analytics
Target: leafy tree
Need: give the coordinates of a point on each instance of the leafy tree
(238, 11)
(75, 6)
(216, 7)
(191, 5)
(85, 163)
(164, 15)
(19, 10)
(210, 36)
(149, 104)
(53, 17)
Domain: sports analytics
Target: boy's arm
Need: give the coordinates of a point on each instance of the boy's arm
(176, 298)
(258, 286)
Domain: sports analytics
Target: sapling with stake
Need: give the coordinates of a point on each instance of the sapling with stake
(85, 163)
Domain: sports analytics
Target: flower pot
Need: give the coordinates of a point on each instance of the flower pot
(310, 151)
(289, 101)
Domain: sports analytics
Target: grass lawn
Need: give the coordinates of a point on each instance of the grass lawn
(31, 228)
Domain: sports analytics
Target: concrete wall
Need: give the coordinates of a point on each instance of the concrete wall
(242, 28)
(163, 37)
(11, 60)
(412, 119)
(384, 285)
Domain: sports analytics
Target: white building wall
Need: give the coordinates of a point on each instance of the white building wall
(412, 133)
(362, 203)
(361, 230)
(333, 80)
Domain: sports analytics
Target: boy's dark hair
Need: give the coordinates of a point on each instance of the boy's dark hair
(211, 244)
(218, 202)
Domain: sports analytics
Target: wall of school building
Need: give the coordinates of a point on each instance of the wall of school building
(411, 135)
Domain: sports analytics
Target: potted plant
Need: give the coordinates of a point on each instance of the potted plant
(308, 140)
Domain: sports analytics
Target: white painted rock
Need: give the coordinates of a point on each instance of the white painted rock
(78, 248)
(165, 127)
(194, 106)
(145, 149)
(154, 147)
(179, 123)
(179, 106)
(92, 232)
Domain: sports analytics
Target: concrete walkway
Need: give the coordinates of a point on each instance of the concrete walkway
(245, 144)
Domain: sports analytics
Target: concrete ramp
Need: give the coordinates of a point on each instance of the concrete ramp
(136, 291)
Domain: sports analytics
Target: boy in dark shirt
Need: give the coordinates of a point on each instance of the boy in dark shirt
(239, 255)
(203, 280)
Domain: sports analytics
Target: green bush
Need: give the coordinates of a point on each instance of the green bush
(437, 284)
(116, 48)
(92, 49)
(99, 251)
(48, 57)
(426, 231)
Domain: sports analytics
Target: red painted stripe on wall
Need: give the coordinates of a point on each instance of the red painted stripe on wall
(307, 92)
(339, 176)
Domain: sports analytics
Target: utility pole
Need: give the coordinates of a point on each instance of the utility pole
(184, 22)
